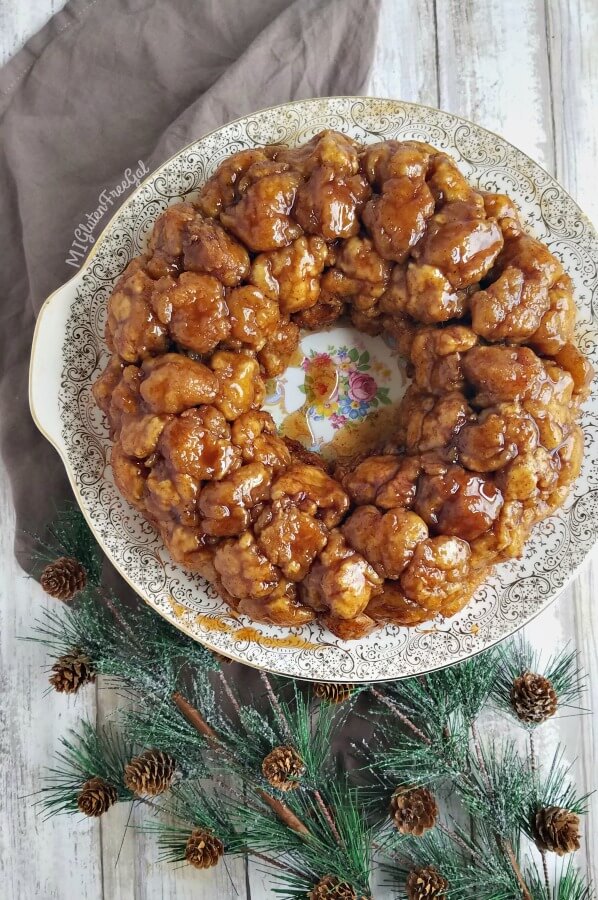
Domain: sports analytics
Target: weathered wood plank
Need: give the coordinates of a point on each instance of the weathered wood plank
(493, 68)
(18, 21)
(52, 858)
(572, 34)
(405, 60)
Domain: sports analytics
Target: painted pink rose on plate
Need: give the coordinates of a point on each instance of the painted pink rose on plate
(362, 387)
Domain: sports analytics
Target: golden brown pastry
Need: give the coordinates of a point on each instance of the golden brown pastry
(487, 441)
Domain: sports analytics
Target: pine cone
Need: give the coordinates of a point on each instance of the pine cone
(72, 671)
(557, 830)
(96, 797)
(425, 884)
(414, 810)
(333, 693)
(203, 849)
(283, 768)
(63, 578)
(533, 698)
(331, 888)
(150, 774)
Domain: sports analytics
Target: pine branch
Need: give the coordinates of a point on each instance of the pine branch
(562, 671)
(87, 754)
(193, 806)
(122, 642)
(474, 869)
(569, 884)
(69, 535)
(277, 806)
(555, 788)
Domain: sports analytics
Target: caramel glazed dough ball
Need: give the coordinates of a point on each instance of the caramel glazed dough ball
(392, 236)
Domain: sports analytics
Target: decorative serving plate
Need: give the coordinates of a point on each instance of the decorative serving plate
(69, 352)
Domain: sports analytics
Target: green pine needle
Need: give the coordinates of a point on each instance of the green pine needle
(128, 642)
(312, 734)
(562, 670)
(432, 701)
(554, 788)
(498, 787)
(87, 754)
(567, 883)
(158, 723)
(474, 869)
(69, 535)
(342, 850)
(192, 806)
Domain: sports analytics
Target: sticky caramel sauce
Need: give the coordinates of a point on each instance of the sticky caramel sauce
(290, 640)
(297, 427)
(297, 357)
(378, 428)
(214, 624)
(321, 386)
(253, 635)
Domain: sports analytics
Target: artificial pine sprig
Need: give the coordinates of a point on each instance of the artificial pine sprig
(497, 788)
(339, 842)
(151, 722)
(566, 883)
(560, 672)
(431, 700)
(89, 754)
(126, 642)
(425, 742)
(554, 787)
(473, 868)
(69, 536)
(193, 807)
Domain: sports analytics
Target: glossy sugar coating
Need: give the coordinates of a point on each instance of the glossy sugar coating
(392, 236)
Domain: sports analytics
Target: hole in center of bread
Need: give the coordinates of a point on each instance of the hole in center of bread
(340, 394)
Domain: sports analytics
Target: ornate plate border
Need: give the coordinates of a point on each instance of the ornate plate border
(518, 590)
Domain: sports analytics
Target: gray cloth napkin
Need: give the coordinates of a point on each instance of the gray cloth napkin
(105, 89)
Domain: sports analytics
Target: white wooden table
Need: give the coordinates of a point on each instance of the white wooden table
(527, 69)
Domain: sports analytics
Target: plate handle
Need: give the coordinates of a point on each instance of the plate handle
(45, 368)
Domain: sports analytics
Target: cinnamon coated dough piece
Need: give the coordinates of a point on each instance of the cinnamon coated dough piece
(393, 237)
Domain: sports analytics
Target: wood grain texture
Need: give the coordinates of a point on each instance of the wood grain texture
(38, 859)
(526, 69)
(19, 21)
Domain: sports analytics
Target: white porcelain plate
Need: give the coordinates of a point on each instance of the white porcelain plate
(69, 352)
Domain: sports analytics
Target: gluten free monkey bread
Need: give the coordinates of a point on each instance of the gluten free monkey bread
(392, 236)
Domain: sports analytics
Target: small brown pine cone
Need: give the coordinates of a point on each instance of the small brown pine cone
(96, 797)
(425, 884)
(557, 830)
(72, 671)
(150, 774)
(333, 693)
(63, 578)
(533, 698)
(203, 849)
(413, 810)
(332, 888)
(283, 768)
